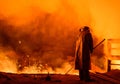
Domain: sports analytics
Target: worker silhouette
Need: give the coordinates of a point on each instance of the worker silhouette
(84, 46)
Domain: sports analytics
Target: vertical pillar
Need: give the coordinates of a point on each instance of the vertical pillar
(109, 65)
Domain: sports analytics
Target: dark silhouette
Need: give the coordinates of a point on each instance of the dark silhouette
(84, 46)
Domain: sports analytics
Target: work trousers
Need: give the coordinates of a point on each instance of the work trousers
(84, 75)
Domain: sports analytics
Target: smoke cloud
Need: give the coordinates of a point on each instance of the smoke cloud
(40, 32)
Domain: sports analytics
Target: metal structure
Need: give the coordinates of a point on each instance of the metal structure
(113, 53)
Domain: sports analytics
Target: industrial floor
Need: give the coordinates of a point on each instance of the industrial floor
(112, 77)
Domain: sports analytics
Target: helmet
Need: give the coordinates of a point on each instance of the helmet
(86, 28)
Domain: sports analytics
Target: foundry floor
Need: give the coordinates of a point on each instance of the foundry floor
(112, 77)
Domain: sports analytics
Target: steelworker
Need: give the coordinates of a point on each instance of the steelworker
(84, 47)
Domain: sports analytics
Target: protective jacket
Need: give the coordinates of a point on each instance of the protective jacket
(84, 46)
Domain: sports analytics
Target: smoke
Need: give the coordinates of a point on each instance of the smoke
(40, 32)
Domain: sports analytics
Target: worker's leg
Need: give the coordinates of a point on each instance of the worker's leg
(86, 75)
(81, 75)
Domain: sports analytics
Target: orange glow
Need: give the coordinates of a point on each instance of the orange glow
(37, 70)
(41, 31)
(7, 65)
(117, 66)
(115, 49)
(106, 18)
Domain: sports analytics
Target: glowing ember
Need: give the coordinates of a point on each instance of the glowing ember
(19, 42)
(47, 69)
